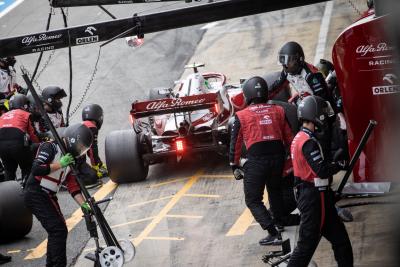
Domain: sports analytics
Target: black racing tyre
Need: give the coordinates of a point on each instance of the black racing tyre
(15, 218)
(291, 114)
(123, 158)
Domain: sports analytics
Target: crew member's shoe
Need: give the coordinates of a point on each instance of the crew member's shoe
(4, 258)
(98, 183)
(271, 240)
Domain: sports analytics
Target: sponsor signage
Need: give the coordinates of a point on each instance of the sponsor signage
(88, 39)
(28, 40)
(168, 105)
(390, 87)
(363, 50)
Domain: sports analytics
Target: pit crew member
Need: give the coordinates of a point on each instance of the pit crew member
(315, 199)
(265, 132)
(49, 171)
(16, 136)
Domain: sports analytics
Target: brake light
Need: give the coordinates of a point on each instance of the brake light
(179, 145)
(216, 107)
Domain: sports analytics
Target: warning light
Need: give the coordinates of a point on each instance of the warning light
(179, 145)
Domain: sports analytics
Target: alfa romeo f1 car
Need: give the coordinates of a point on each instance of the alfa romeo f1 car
(174, 123)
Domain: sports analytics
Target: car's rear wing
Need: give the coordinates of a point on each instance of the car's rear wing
(171, 105)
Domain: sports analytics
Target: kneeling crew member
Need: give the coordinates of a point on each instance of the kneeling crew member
(92, 117)
(265, 132)
(49, 171)
(315, 199)
(16, 135)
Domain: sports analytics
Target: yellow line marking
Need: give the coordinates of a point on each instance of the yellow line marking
(149, 201)
(72, 221)
(184, 216)
(13, 251)
(244, 221)
(133, 222)
(168, 207)
(164, 238)
(225, 176)
(169, 182)
(202, 195)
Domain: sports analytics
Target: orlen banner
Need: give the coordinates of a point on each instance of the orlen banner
(364, 62)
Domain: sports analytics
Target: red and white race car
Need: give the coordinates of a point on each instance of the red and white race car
(173, 123)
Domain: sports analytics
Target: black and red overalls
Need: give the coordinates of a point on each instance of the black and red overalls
(41, 197)
(93, 152)
(265, 132)
(16, 136)
(316, 204)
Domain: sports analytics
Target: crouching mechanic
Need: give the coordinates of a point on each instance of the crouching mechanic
(16, 136)
(265, 132)
(315, 199)
(49, 171)
(92, 117)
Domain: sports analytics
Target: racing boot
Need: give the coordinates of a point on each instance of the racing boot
(4, 258)
(274, 238)
(344, 214)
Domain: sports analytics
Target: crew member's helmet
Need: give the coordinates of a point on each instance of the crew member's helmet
(315, 109)
(255, 89)
(77, 138)
(291, 57)
(93, 112)
(52, 95)
(7, 62)
(325, 67)
(19, 101)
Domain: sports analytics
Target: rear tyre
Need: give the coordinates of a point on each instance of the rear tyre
(15, 218)
(123, 158)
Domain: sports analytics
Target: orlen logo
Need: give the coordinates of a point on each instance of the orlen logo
(265, 120)
(157, 105)
(89, 39)
(390, 88)
(363, 50)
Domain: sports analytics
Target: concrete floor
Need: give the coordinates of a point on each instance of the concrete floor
(193, 213)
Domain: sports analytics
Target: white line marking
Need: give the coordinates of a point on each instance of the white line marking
(323, 32)
(209, 25)
(11, 7)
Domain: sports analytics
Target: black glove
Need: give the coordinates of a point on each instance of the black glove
(237, 172)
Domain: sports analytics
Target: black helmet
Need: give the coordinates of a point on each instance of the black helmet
(291, 52)
(33, 108)
(7, 62)
(78, 139)
(93, 112)
(325, 67)
(315, 109)
(19, 101)
(255, 88)
(51, 95)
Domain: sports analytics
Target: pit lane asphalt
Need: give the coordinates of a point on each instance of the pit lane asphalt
(191, 214)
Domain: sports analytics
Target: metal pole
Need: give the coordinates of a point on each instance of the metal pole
(357, 154)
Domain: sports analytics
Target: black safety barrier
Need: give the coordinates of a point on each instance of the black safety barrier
(155, 22)
(105, 228)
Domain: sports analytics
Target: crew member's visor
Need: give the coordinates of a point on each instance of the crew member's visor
(286, 59)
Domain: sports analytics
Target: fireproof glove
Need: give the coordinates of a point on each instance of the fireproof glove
(85, 207)
(237, 172)
(66, 160)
